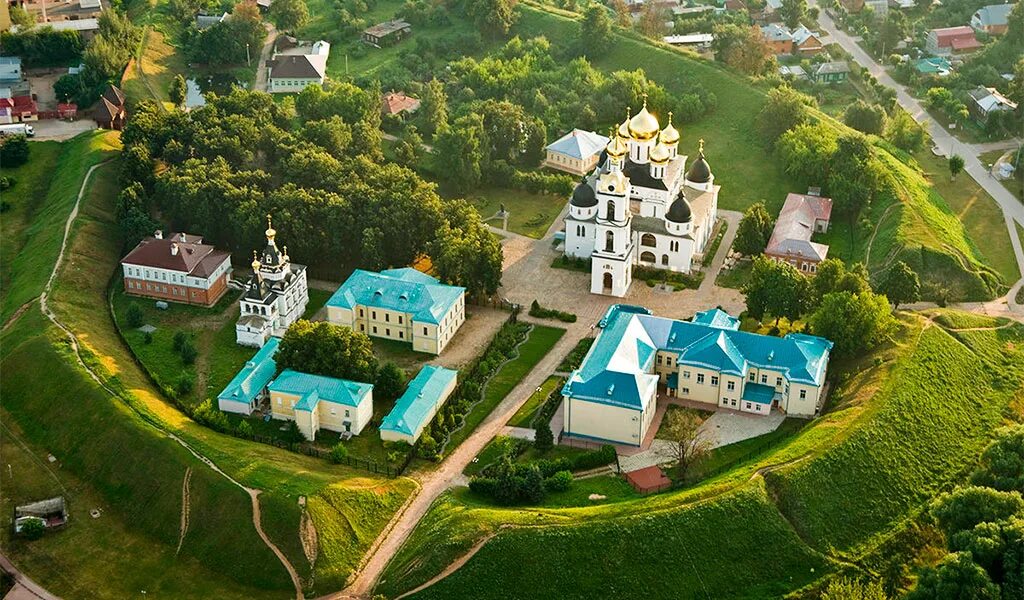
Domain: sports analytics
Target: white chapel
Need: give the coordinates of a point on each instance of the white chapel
(638, 207)
(275, 296)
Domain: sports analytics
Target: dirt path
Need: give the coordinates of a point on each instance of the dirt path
(73, 340)
(185, 508)
(455, 566)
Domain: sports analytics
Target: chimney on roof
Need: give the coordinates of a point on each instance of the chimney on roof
(183, 238)
(158, 234)
(174, 249)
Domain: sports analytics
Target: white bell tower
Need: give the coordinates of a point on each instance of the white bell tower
(611, 263)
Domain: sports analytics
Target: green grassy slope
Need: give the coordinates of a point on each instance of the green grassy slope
(897, 435)
(73, 419)
(79, 299)
(27, 261)
(933, 417)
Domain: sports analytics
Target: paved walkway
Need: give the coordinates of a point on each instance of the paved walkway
(1013, 210)
(522, 433)
(24, 588)
(265, 54)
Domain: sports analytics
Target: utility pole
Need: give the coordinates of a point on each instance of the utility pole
(248, 61)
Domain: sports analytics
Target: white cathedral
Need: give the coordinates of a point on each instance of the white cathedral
(638, 207)
(275, 296)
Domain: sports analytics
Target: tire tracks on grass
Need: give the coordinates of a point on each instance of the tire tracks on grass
(185, 508)
(74, 345)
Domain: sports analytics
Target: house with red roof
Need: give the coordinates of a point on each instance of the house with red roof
(951, 40)
(394, 103)
(110, 111)
(177, 268)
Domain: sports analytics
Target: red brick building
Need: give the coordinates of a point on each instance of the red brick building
(179, 268)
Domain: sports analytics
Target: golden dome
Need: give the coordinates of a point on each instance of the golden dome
(644, 126)
(660, 153)
(271, 232)
(624, 127)
(669, 135)
(612, 183)
(255, 262)
(617, 148)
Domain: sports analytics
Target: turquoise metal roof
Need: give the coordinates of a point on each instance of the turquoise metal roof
(716, 317)
(403, 290)
(422, 395)
(314, 388)
(759, 393)
(616, 370)
(254, 376)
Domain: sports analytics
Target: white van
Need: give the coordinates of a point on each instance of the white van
(17, 129)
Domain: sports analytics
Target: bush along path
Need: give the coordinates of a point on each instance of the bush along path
(73, 341)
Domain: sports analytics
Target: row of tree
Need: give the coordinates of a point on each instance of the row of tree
(339, 205)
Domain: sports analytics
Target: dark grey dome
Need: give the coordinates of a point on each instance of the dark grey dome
(583, 196)
(603, 158)
(680, 211)
(700, 170)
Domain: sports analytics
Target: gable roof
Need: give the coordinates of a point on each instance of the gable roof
(579, 143)
(299, 66)
(425, 392)
(314, 388)
(718, 318)
(616, 370)
(396, 102)
(254, 376)
(992, 15)
(403, 290)
(795, 225)
(989, 100)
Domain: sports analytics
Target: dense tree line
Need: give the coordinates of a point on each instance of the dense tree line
(234, 40)
(105, 59)
(42, 46)
(337, 203)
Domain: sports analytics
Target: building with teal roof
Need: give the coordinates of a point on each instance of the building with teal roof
(317, 402)
(249, 385)
(404, 305)
(934, 65)
(613, 395)
(413, 411)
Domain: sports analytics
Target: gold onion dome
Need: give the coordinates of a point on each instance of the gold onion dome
(617, 148)
(644, 126)
(255, 262)
(660, 153)
(669, 135)
(271, 232)
(624, 127)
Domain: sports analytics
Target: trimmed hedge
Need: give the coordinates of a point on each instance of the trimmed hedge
(536, 310)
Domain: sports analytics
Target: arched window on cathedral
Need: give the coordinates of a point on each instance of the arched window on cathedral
(664, 259)
(648, 257)
(610, 211)
(609, 241)
(648, 239)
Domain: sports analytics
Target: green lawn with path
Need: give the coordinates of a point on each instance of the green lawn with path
(526, 413)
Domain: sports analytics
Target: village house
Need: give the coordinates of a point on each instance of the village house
(612, 396)
(393, 103)
(208, 21)
(178, 268)
(985, 101)
(951, 40)
(17, 109)
(110, 111)
(641, 206)
(992, 19)
(248, 388)
(10, 70)
(831, 72)
(317, 402)
(413, 411)
(275, 296)
(934, 65)
(387, 33)
(698, 41)
(400, 304)
(295, 67)
(801, 216)
(782, 41)
(575, 152)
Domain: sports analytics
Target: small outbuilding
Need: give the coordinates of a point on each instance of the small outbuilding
(576, 152)
(414, 410)
(387, 33)
(649, 480)
(52, 512)
(393, 103)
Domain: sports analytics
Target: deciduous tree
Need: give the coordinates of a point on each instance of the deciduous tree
(956, 164)
(177, 90)
(957, 577)
(1002, 462)
(853, 322)
(595, 33)
(690, 443)
(754, 230)
(289, 15)
(793, 12)
(784, 109)
(435, 107)
(777, 289)
(325, 349)
(901, 285)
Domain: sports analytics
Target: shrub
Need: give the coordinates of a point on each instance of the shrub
(6, 183)
(148, 339)
(134, 316)
(207, 414)
(185, 385)
(14, 150)
(33, 529)
(188, 352)
(544, 439)
(245, 429)
(559, 482)
(180, 337)
(338, 453)
(536, 310)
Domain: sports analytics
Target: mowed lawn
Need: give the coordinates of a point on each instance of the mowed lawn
(44, 193)
(526, 413)
(80, 301)
(528, 214)
(538, 343)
